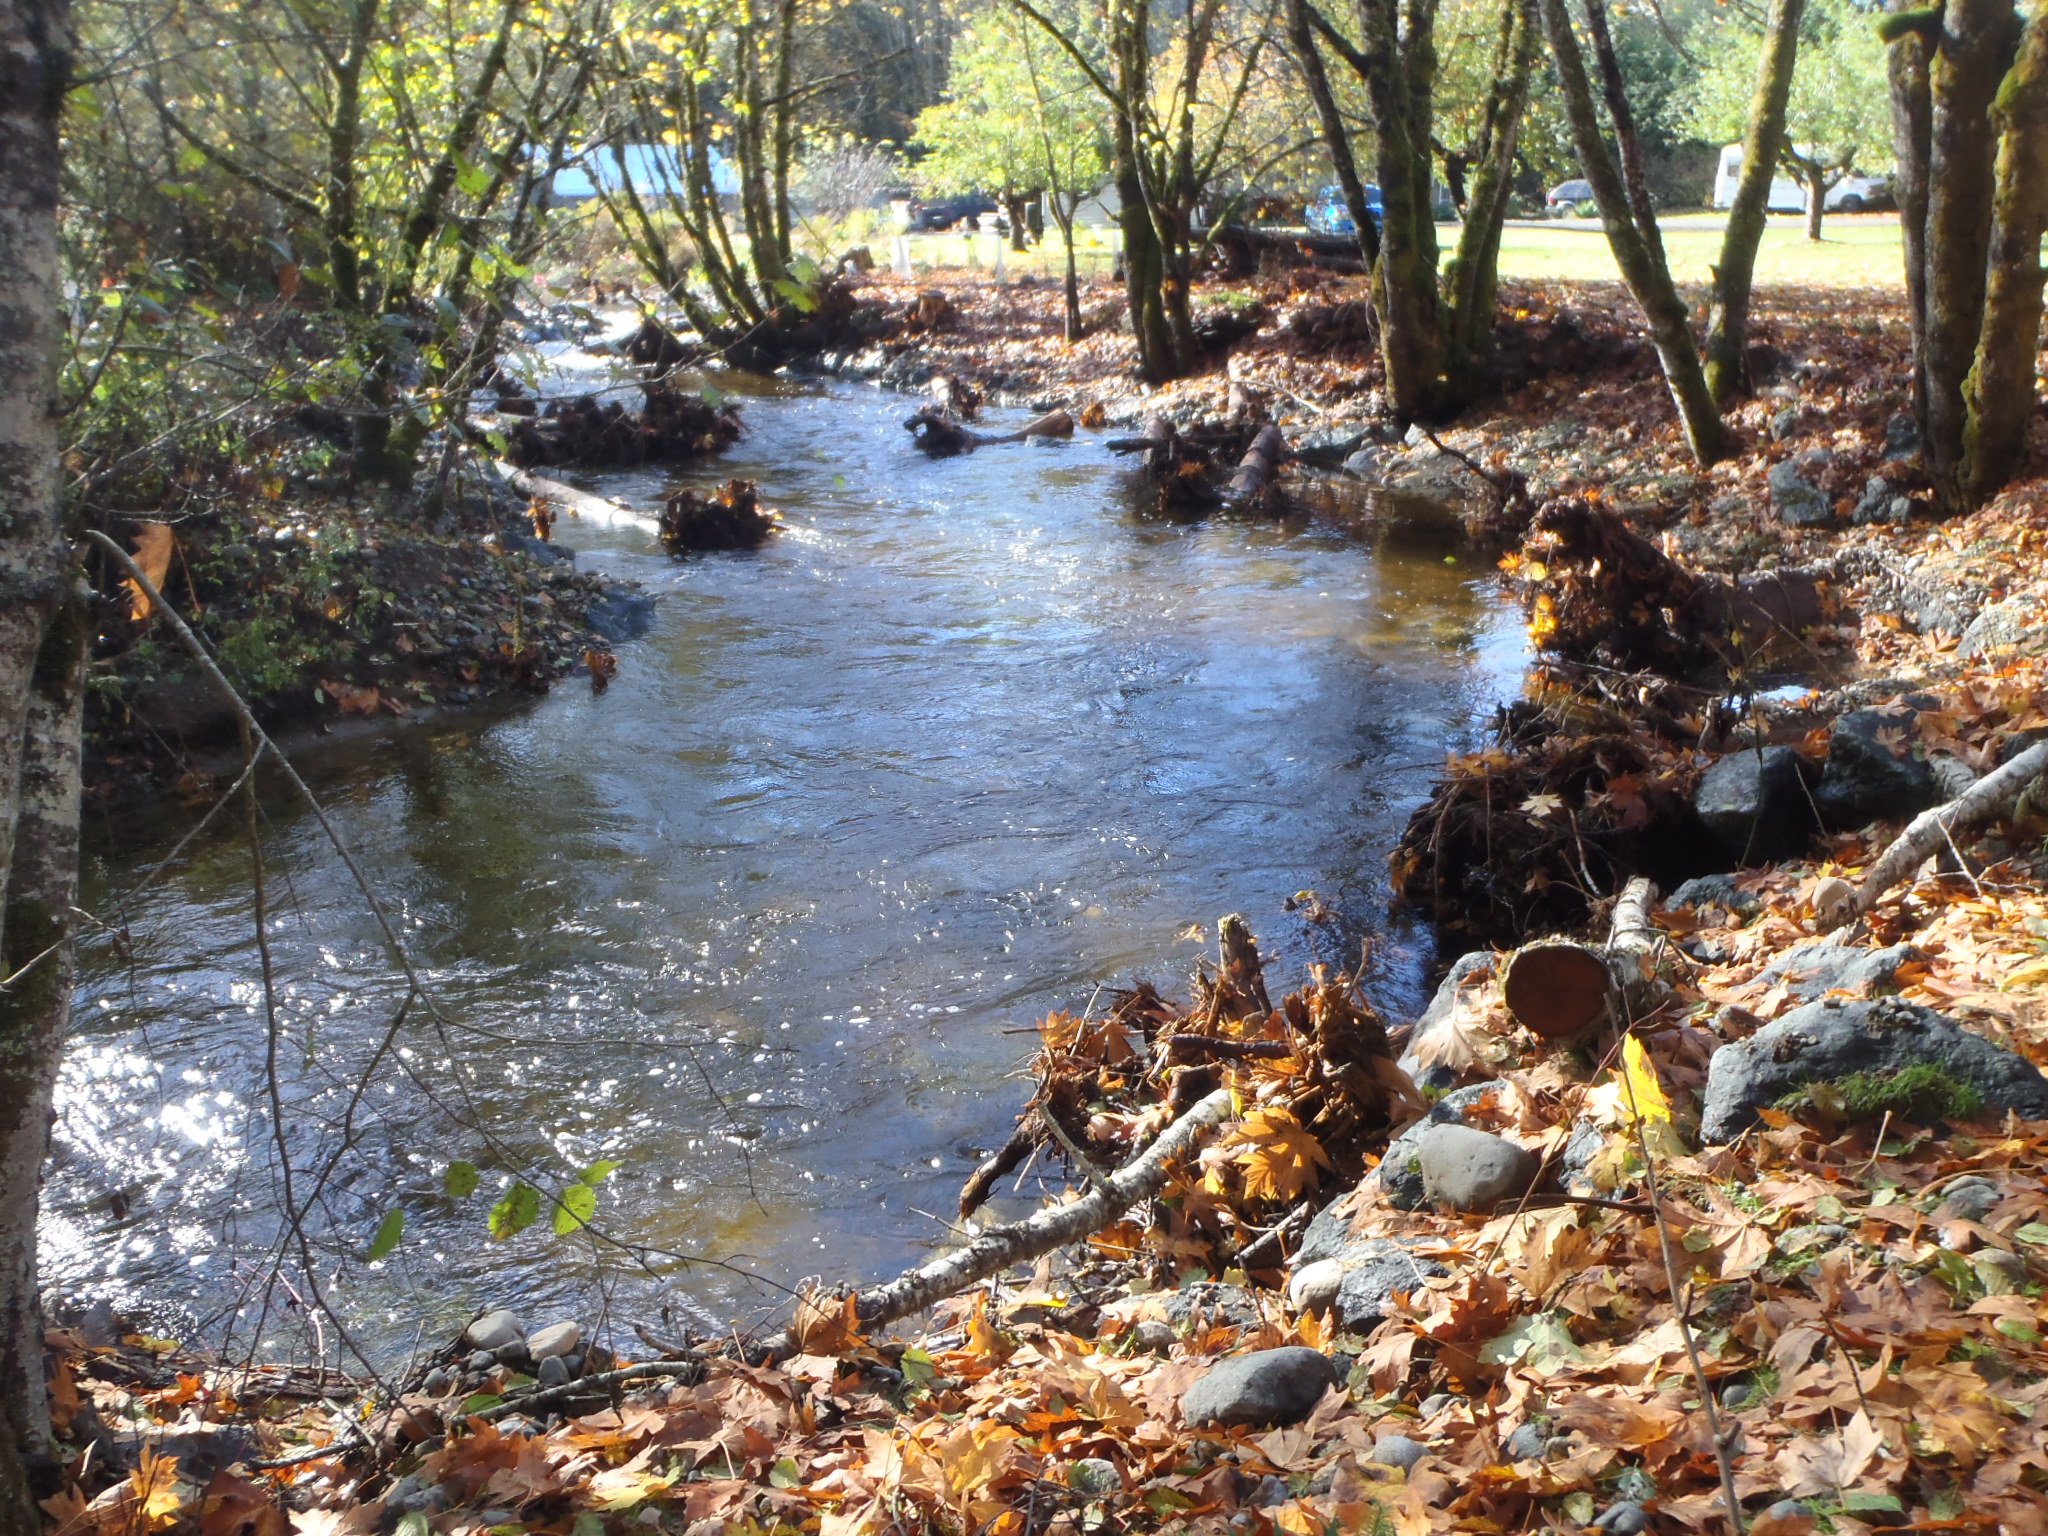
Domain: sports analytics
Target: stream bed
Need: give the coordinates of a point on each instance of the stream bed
(766, 922)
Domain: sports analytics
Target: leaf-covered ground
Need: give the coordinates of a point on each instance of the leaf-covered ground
(1863, 1294)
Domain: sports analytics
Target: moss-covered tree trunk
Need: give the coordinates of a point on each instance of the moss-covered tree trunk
(1727, 346)
(35, 903)
(1642, 264)
(1999, 396)
(1975, 50)
(1301, 31)
(1912, 136)
(1472, 280)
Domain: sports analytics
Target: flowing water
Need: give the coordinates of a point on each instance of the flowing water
(970, 740)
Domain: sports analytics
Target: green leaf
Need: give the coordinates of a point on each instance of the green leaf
(577, 1205)
(414, 1523)
(1539, 1344)
(459, 1180)
(917, 1367)
(479, 1402)
(389, 1231)
(785, 1474)
(839, 482)
(1852, 1501)
(2034, 1232)
(587, 1524)
(472, 178)
(1165, 1501)
(515, 1211)
(600, 1170)
(2018, 1329)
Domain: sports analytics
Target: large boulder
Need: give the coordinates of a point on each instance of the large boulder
(1757, 804)
(1875, 771)
(1273, 1386)
(1835, 1039)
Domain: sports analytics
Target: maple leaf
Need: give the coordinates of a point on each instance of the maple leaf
(1280, 1157)
(153, 545)
(1829, 1463)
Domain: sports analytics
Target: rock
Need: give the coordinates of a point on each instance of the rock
(439, 1382)
(1466, 970)
(1811, 971)
(1881, 503)
(1230, 1305)
(1790, 1510)
(2000, 1273)
(1153, 1335)
(1398, 1451)
(1901, 436)
(97, 1325)
(481, 1362)
(1374, 1272)
(1832, 1039)
(1466, 1169)
(1313, 1287)
(1875, 771)
(1757, 804)
(1623, 1519)
(553, 1372)
(1400, 1170)
(1811, 1239)
(1971, 1198)
(1574, 1172)
(1786, 423)
(1434, 1404)
(555, 1339)
(620, 614)
(201, 1449)
(2004, 626)
(494, 1330)
(1716, 891)
(1270, 1493)
(1527, 1443)
(1798, 502)
(1095, 1477)
(1328, 1235)
(1270, 1387)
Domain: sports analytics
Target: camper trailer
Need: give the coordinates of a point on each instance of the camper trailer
(1852, 194)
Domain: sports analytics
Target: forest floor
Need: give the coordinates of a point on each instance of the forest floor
(1840, 1308)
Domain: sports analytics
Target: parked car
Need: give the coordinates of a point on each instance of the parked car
(945, 212)
(1859, 194)
(1329, 214)
(1566, 196)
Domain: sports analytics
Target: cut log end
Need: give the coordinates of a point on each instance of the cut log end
(1558, 990)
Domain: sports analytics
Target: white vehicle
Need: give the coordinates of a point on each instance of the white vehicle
(1852, 194)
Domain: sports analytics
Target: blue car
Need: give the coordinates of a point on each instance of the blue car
(1329, 215)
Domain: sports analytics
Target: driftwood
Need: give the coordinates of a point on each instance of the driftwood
(1000, 1247)
(728, 518)
(582, 503)
(1252, 485)
(1561, 990)
(1931, 832)
(941, 437)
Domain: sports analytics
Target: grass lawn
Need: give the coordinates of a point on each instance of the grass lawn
(1854, 252)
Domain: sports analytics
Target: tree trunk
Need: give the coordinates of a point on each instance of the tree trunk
(1976, 49)
(1644, 269)
(2000, 395)
(1626, 140)
(1727, 349)
(1816, 200)
(35, 67)
(1472, 281)
(1912, 136)
(1336, 137)
(1013, 205)
(1065, 220)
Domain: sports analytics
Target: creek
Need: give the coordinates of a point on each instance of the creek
(765, 922)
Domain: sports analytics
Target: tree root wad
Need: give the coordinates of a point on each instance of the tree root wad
(673, 427)
(729, 518)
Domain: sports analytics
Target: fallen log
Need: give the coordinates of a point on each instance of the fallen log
(1252, 485)
(582, 503)
(936, 434)
(1932, 831)
(1561, 990)
(1018, 1242)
